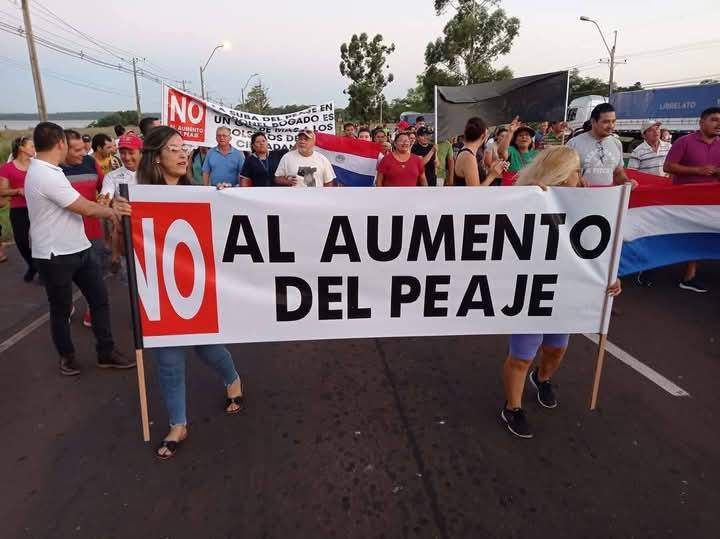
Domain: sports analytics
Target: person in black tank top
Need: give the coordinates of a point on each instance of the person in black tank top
(469, 171)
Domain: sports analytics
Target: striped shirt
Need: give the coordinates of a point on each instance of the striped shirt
(87, 179)
(645, 159)
(551, 139)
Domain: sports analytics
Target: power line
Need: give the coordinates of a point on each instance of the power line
(17, 65)
(111, 49)
(81, 55)
(99, 47)
(105, 46)
(665, 51)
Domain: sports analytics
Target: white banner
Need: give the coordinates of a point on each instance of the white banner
(198, 120)
(249, 265)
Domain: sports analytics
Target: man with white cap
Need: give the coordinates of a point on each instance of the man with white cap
(304, 167)
(650, 156)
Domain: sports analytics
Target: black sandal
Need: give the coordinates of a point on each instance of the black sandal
(171, 446)
(238, 401)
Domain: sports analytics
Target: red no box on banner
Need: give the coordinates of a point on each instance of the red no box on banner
(187, 115)
(175, 264)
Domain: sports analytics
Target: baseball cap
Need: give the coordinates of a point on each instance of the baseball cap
(647, 124)
(422, 131)
(403, 125)
(130, 140)
(86, 138)
(308, 133)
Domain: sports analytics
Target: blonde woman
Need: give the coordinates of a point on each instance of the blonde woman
(555, 167)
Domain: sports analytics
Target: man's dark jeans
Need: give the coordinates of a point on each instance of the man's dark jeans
(58, 274)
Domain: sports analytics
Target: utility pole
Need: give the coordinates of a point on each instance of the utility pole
(202, 84)
(611, 52)
(39, 95)
(137, 91)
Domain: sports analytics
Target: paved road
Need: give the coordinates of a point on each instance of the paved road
(369, 438)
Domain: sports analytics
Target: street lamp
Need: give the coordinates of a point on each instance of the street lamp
(611, 52)
(224, 44)
(242, 92)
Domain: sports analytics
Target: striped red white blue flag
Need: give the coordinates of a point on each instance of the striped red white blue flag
(355, 161)
(669, 224)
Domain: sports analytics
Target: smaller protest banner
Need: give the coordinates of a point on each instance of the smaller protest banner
(198, 120)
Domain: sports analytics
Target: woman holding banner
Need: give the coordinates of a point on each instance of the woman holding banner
(556, 166)
(164, 162)
(469, 170)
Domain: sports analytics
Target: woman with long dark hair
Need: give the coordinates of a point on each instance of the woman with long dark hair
(12, 184)
(164, 162)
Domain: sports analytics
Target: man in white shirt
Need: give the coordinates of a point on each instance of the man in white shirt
(601, 154)
(304, 167)
(61, 250)
(650, 156)
(130, 147)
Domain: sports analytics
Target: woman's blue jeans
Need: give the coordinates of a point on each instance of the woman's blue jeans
(171, 374)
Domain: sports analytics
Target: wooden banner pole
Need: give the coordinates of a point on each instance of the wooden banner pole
(607, 305)
(135, 315)
(598, 370)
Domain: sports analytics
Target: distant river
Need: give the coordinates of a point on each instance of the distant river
(29, 124)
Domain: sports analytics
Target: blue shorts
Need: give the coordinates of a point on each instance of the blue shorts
(525, 346)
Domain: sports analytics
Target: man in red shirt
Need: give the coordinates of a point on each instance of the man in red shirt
(86, 176)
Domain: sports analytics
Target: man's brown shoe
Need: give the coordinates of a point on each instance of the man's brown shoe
(114, 360)
(68, 367)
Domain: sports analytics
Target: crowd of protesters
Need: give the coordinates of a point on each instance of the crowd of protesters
(62, 185)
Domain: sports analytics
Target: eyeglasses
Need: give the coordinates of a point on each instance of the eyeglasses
(175, 148)
(601, 152)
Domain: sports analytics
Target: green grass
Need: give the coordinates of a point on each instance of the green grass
(5, 223)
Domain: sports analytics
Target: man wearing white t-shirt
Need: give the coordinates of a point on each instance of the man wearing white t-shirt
(304, 167)
(130, 147)
(61, 250)
(601, 153)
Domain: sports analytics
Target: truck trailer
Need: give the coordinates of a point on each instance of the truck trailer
(678, 109)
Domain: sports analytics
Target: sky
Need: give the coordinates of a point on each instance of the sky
(294, 46)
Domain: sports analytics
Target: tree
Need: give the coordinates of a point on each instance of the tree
(287, 109)
(582, 86)
(257, 100)
(363, 61)
(473, 39)
(631, 88)
(126, 117)
(413, 101)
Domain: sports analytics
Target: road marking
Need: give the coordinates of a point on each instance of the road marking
(640, 367)
(32, 326)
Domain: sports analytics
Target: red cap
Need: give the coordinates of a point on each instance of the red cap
(403, 125)
(130, 140)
